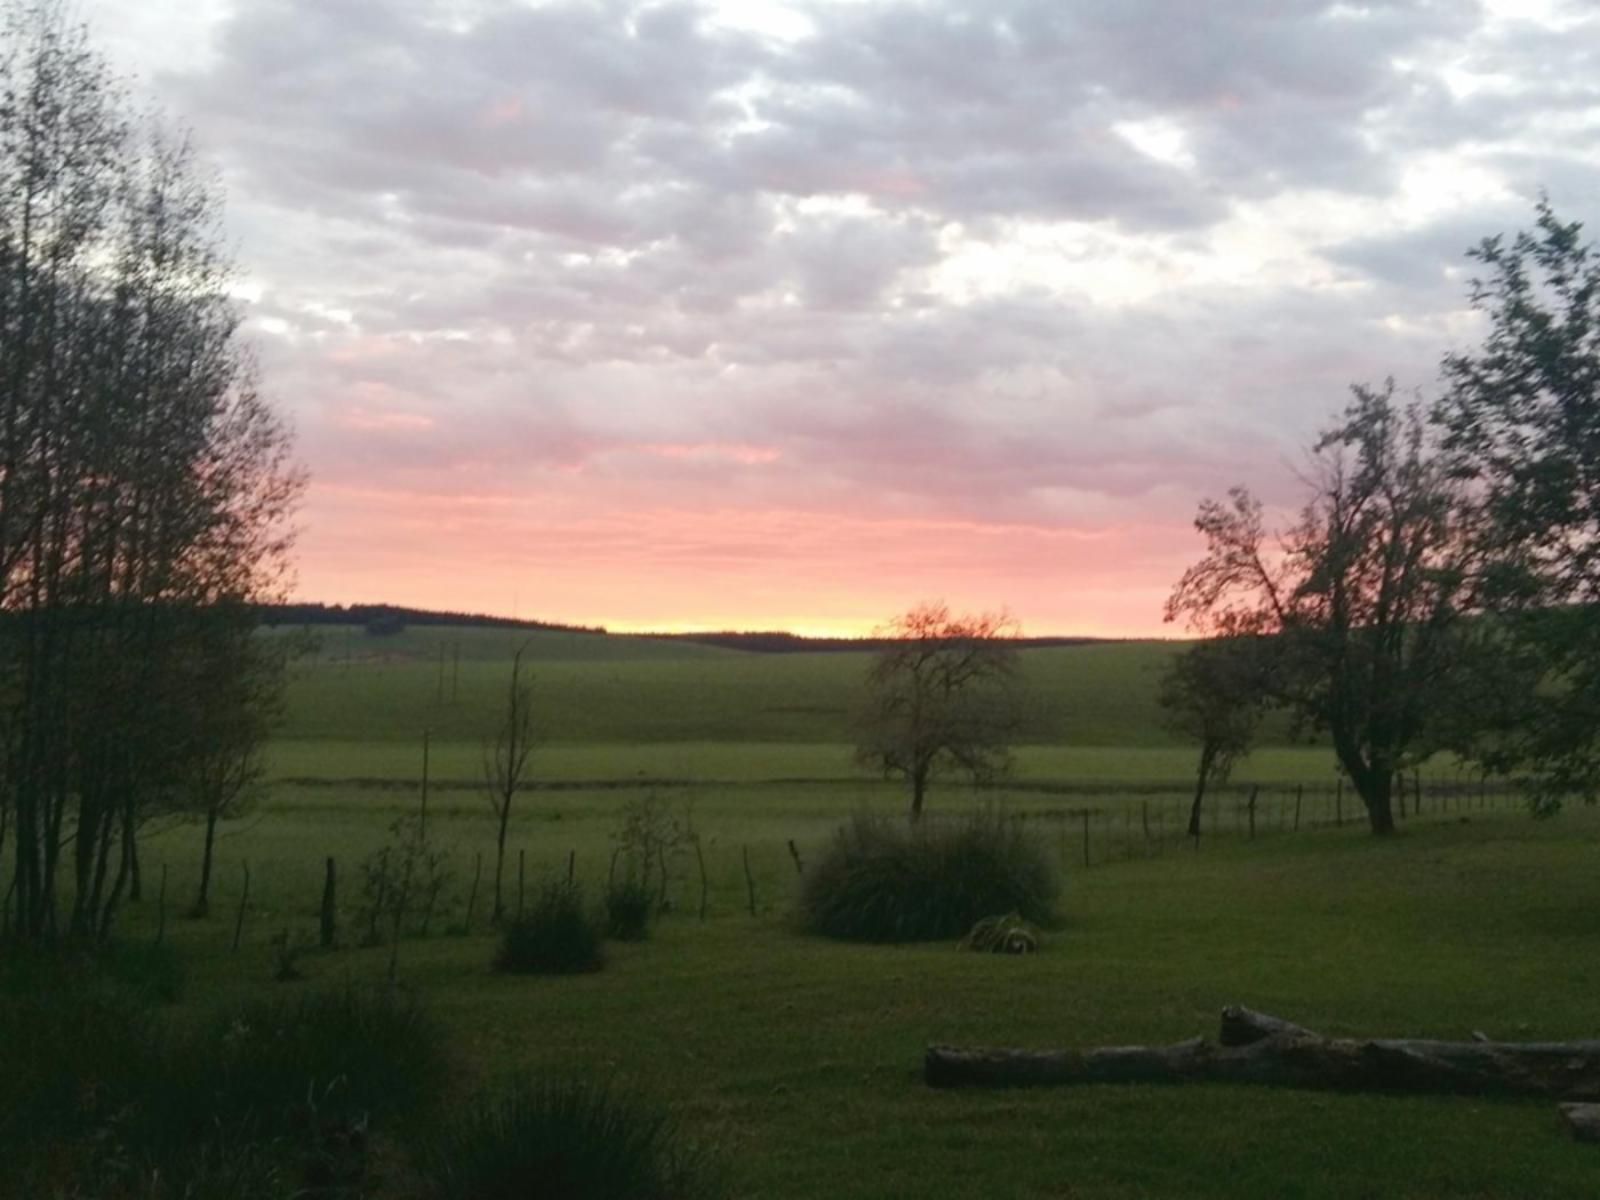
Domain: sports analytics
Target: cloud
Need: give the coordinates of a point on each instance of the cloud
(933, 264)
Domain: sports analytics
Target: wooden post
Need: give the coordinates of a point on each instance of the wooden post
(700, 858)
(749, 881)
(161, 907)
(422, 813)
(244, 898)
(472, 895)
(328, 918)
(1086, 837)
(1251, 807)
(522, 867)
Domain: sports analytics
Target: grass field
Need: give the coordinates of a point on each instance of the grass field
(800, 1058)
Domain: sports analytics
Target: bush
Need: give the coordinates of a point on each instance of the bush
(98, 1099)
(565, 1140)
(554, 937)
(883, 880)
(630, 907)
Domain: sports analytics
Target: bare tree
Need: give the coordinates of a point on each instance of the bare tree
(1214, 693)
(1362, 598)
(505, 765)
(942, 696)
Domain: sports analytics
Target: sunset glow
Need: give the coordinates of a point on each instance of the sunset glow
(789, 315)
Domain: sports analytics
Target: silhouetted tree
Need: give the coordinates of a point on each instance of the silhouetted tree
(1214, 693)
(1363, 598)
(142, 478)
(505, 765)
(1522, 422)
(942, 697)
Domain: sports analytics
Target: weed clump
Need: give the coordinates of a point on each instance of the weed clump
(630, 908)
(569, 1138)
(556, 936)
(883, 880)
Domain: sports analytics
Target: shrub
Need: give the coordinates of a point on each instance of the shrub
(883, 880)
(566, 1139)
(556, 936)
(630, 906)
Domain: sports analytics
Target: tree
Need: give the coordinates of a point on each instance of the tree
(143, 480)
(1214, 693)
(942, 696)
(1522, 425)
(233, 679)
(505, 764)
(1363, 599)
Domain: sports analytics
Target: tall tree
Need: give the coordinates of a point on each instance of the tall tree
(1363, 598)
(143, 480)
(505, 765)
(942, 696)
(1522, 421)
(1214, 693)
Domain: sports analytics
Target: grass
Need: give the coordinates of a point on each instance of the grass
(798, 1058)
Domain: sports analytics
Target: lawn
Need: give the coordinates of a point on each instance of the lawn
(800, 1059)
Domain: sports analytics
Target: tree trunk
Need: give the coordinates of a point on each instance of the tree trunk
(202, 900)
(500, 860)
(1264, 1050)
(1200, 778)
(919, 789)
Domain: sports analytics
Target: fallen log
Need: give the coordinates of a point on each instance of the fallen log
(1256, 1048)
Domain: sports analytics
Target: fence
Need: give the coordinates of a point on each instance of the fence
(1115, 823)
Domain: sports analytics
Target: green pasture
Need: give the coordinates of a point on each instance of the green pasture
(800, 1059)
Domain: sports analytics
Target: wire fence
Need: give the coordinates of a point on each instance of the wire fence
(1119, 823)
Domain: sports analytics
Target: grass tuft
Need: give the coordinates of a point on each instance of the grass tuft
(566, 1139)
(556, 936)
(884, 880)
(630, 908)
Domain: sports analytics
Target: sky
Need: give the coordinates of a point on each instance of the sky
(790, 314)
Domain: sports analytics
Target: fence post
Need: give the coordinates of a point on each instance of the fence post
(244, 898)
(161, 907)
(1251, 808)
(749, 880)
(328, 916)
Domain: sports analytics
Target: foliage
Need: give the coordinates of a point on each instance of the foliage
(1522, 421)
(100, 1099)
(630, 907)
(650, 835)
(555, 936)
(402, 878)
(146, 481)
(881, 880)
(569, 1138)
(1363, 601)
(1214, 693)
(1008, 934)
(941, 697)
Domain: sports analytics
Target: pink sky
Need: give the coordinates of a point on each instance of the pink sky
(793, 314)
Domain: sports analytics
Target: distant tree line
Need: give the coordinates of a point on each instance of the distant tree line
(301, 613)
(1440, 587)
